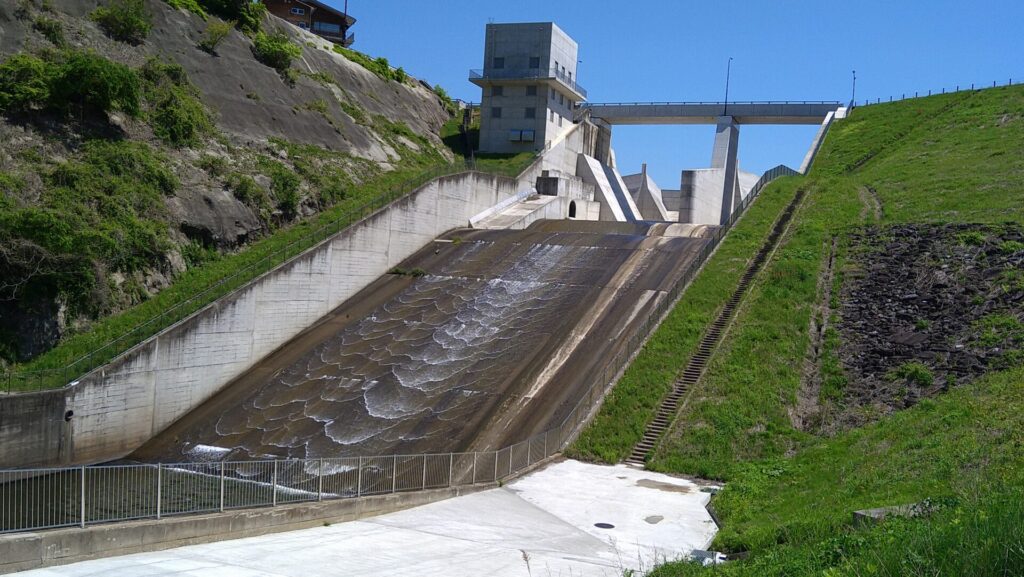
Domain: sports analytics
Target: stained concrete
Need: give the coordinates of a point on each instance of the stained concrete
(543, 524)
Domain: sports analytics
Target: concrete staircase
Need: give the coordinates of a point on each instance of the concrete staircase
(670, 405)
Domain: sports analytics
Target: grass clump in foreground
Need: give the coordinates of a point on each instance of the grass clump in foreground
(790, 491)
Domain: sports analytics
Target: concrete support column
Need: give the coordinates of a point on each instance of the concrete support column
(723, 156)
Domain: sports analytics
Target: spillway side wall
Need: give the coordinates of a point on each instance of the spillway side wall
(116, 408)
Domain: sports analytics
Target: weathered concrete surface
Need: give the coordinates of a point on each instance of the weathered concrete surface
(496, 342)
(23, 551)
(543, 524)
(647, 196)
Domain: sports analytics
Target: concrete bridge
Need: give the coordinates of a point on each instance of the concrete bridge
(698, 187)
(764, 112)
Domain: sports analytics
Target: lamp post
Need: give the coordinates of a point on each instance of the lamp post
(853, 93)
(728, 70)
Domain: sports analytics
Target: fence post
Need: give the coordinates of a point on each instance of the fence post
(451, 465)
(320, 481)
(159, 469)
(510, 460)
(82, 497)
(222, 487)
(474, 469)
(274, 482)
(359, 479)
(495, 467)
(529, 451)
(423, 485)
(394, 473)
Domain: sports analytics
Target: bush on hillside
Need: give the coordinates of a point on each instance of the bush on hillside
(216, 32)
(25, 83)
(275, 50)
(51, 28)
(176, 114)
(378, 66)
(125, 20)
(91, 83)
(246, 13)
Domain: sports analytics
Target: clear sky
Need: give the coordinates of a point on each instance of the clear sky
(670, 50)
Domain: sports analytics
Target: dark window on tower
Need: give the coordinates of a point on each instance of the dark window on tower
(531, 90)
(499, 62)
(531, 112)
(495, 112)
(497, 91)
(535, 62)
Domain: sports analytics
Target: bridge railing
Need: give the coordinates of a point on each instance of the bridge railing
(46, 498)
(707, 103)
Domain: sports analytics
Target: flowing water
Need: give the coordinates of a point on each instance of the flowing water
(419, 364)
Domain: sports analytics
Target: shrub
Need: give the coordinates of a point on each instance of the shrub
(51, 28)
(275, 50)
(378, 66)
(25, 83)
(913, 372)
(446, 100)
(190, 5)
(213, 165)
(216, 32)
(94, 83)
(176, 114)
(246, 13)
(125, 20)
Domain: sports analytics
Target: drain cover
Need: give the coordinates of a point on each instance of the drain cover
(604, 525)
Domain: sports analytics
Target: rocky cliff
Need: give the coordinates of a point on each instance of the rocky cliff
(102, 209)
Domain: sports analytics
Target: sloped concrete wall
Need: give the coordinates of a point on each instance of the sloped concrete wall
(121, 405)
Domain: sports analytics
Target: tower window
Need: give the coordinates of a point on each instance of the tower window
(497, 91)
(298, 11)
(535, 62)
(495, 112)
(531, 112)
(499, 62)
(531, 90)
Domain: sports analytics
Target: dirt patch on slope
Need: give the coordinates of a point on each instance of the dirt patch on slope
(926, 308)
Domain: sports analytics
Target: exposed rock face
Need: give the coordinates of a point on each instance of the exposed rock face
(926, 308)
(334, 104)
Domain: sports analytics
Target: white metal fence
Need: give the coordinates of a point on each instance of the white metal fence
(32, 499)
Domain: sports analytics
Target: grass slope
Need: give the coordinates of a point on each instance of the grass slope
(950, 158)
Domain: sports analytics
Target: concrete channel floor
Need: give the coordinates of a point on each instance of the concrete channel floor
(542, 524)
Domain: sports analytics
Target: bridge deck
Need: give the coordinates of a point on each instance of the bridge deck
(790, 112)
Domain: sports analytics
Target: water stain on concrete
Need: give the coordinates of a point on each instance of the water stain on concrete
(654, 519)
(662, 486)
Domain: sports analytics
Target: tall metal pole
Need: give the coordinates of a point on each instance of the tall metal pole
(728, 71)
(853, 93)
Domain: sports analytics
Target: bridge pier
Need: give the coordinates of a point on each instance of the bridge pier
(724, 158)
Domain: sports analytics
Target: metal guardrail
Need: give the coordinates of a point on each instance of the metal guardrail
(528, 74)
(33, 499)
(706, 103)
(923, 94)
(43, 379)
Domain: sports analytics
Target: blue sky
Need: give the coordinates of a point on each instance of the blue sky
(673, 50)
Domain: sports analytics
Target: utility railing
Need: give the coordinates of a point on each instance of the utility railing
(528, 74)
(51, 378)
(33, 499)
(925, 94)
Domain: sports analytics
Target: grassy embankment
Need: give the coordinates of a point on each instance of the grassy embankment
(951, 158)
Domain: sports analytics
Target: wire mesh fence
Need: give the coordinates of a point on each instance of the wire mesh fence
(33, 499)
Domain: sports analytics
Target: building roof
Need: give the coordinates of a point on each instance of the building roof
(322, 6)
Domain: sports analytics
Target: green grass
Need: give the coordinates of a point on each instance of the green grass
(789, 492)
(631, 404)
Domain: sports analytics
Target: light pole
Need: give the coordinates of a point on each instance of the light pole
(853, 93)
(728, 70)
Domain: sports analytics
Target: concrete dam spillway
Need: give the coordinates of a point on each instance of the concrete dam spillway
(489, 336)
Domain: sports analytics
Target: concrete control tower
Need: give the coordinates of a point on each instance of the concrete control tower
(529, 86)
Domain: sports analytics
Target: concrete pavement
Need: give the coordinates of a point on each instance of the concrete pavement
(543, 524)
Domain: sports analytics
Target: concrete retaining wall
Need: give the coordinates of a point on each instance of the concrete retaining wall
(121, 405)
(23, 551)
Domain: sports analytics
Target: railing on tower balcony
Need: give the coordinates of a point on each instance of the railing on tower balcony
(528, 74)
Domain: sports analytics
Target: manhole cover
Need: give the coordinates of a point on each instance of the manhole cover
(604, 525)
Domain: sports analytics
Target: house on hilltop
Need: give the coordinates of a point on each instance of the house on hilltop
(317, 17)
